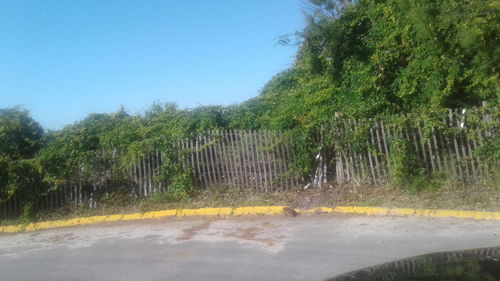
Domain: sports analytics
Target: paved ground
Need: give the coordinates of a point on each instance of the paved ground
(307, 247)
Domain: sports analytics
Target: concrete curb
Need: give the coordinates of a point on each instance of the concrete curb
(254, 210)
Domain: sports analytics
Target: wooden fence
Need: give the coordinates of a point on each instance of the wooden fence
(449, 149)
(260, 160)
(248, 159)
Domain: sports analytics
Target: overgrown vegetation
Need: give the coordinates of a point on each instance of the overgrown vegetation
(357, 58)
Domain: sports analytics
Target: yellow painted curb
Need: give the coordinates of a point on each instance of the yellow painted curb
(208, 212)
(225, 211)
(254, 210)
(131, 217)
(402, 212)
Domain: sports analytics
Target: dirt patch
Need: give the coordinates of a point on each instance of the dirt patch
(311, 198)
(183, 255)
(269, 225)
(189, 233)
(250, 234)
(149, 237)
(253, 233)
(59, 238)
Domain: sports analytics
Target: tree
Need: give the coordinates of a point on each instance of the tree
(20, 135)
(20, 140)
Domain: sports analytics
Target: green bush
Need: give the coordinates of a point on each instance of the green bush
(406, 171)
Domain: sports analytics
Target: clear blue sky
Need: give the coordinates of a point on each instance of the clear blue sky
(65, 59)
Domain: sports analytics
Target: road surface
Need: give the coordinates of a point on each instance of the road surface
(307, 247)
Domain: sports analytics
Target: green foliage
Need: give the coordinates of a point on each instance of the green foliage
(20, 135)
(25, 179)
(373, 58)
(366, 58)
(20, 140)
(86, 151)
(175, 195)
(27, 212)
(176, 173)
(406, 172)
(4, 179)
(489, 151)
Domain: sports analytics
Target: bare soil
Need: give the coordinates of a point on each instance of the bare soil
(478, 198)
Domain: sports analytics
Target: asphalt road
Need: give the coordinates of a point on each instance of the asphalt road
(307, 247)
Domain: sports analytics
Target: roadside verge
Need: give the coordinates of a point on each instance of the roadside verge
(254, 210)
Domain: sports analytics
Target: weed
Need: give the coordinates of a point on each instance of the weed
(372, 202)
(407, 172)
(119, 198)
